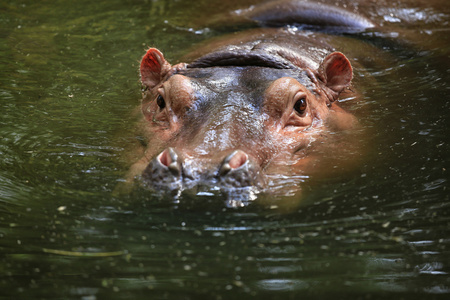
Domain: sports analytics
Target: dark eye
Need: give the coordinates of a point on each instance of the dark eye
(161, 102)
(300, 105)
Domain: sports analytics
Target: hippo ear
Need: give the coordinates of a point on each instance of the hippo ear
(154, 67)
(336, 72)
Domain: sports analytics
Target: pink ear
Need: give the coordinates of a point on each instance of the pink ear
(336, 71)
(153, 67)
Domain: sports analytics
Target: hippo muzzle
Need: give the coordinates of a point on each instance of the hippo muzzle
(236, 170)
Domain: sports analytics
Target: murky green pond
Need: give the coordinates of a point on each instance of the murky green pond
(68, 84)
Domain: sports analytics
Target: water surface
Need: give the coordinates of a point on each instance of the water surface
(68, 85)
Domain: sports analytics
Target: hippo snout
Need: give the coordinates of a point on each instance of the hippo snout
(236, 170)
(165, 170)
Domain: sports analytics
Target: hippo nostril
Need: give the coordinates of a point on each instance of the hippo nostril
(238, 159)
(169, 158)
(165, 157)
(233, 161)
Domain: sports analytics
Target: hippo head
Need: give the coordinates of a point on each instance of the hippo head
(226, 121)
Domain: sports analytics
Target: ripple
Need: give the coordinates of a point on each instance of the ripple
(283, 284)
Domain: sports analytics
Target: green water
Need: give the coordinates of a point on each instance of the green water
(68, 84)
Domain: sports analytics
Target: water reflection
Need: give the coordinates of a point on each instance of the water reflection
(283, 285)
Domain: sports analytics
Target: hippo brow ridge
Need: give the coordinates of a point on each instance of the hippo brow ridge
(277, 58)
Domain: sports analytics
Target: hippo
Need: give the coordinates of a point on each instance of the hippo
(248, 108)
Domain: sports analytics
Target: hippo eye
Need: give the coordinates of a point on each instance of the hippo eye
(161, 102)
(300, 105)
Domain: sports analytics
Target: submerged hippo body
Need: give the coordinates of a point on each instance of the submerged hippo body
(245, 108)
